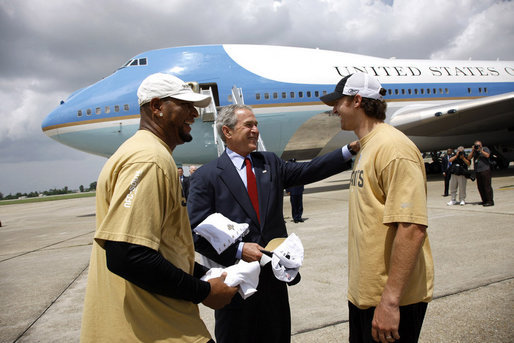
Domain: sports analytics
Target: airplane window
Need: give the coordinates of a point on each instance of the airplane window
(428, 90)
(284, 95)
(396, 92)
(416, 91)
(142, 61)
(300, 94)
(126, 107)
(316, 94)
(257, 96)
(116, 108)
(275, 95)
(324, 92)
(127, 63)
(309, 94)
(480, 89)
(440, 91)
(292, 95)
(134, 63)
(107, 109)
(469, 90)
(409, 91)
(403, 91)
(446, 90)
(98, 110)
(266, 96)
(485, 89)
(88, 111)
(435, 91)
(389, 91)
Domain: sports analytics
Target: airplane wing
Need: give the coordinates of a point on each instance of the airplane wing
(489, 113)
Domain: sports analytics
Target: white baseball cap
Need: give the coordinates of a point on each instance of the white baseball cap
(363, 84)
(162, 85)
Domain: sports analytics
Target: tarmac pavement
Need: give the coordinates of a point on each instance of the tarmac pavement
(45, 248)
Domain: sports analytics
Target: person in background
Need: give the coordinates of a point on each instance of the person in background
(296, 199)
(184, 182)
(390, 267)
(480, 155)
(445, 168)
(458, 171)
(247, 186)
(192, 169)
(144, 284)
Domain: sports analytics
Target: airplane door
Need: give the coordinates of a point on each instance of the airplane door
(214, 88)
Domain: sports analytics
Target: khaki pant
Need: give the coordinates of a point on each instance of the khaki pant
(458, 181)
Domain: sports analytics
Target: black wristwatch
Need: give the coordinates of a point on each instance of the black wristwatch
(350, 149)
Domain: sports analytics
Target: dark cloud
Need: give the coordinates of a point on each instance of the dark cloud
(49, 49)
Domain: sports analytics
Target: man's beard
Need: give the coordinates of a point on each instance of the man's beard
(185, 137)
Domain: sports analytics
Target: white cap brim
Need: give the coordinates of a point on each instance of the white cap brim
(161, 85)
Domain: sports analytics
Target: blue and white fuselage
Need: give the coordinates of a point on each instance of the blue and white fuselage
(439, 104)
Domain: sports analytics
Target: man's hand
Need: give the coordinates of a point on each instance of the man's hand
(220, 294)
(251, 252)
(385, 324)
(356, 146)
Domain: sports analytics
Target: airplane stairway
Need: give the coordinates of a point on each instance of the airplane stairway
(210, 113)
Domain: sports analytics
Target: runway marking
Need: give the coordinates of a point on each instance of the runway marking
(504, 188)
(52, 303)
(47, 246)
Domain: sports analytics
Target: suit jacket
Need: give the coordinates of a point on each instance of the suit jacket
(298, 190)
(217, 187)
(444, 163)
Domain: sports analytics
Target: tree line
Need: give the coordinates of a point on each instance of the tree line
(53, 191)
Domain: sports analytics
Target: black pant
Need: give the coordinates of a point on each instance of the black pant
(484, 186)
(264, 317)
(411, 320)
(447, 177)
(296, 206)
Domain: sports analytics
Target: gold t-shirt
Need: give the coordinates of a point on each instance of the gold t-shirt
(388, 186)
(139, 201)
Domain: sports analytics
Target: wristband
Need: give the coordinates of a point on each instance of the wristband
(350, 150)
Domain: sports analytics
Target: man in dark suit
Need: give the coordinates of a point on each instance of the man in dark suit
(445, 167)
(184, 182)
(296, 199)
(228, 185)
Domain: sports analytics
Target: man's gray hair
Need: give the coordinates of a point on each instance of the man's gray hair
(227, 117)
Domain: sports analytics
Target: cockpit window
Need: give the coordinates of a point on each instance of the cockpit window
(136, 62)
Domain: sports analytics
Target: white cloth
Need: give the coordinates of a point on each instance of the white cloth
(244, 274)
(220, 231)
(287, 258)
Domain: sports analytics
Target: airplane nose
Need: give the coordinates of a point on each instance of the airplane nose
(52, 119)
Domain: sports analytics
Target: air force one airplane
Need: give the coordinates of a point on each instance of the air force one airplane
(438, 104)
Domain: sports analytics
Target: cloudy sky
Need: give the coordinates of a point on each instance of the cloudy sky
(50, 48)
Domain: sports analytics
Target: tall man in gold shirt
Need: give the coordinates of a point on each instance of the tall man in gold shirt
(390, 268)
(143, 283)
